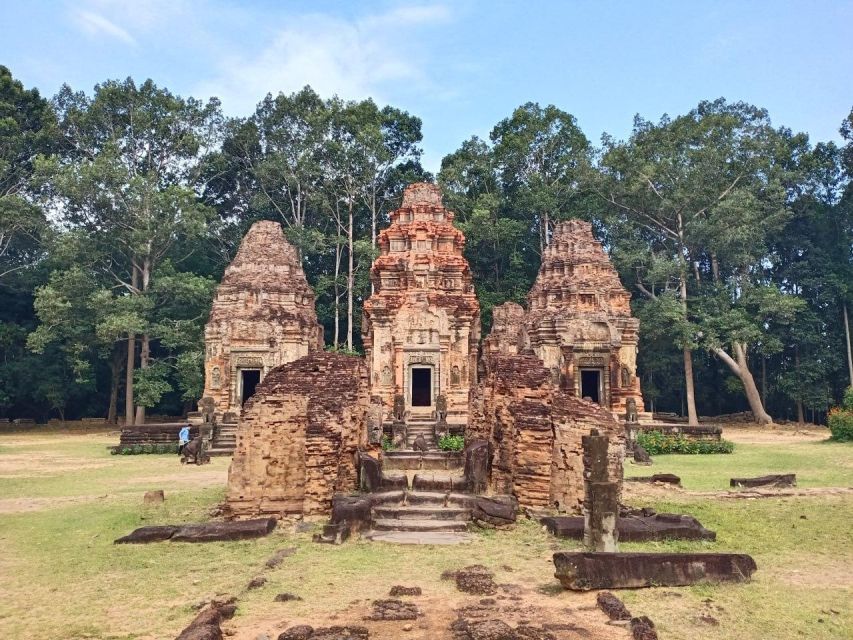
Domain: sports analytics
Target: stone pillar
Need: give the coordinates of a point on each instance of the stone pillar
(601, 497)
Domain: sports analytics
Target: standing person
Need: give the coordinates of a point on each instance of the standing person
(183, 438)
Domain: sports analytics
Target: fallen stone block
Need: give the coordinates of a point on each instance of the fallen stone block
(659, 526)
(333, 533)
(581, 571)
(154, 497)
(499, 511)
(777, 480)
(287, 597)
(204, 532)
(278, 557)
(205, 626)
(643, 629)
(143, 535)
(399, 590)
(612, 606)
(393, 609)
(666, 478)
(224, 531)
(476, 579)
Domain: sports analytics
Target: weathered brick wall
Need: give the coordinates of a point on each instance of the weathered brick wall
(297, 437)
(535, 431)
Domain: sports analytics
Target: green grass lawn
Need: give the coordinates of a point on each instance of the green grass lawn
(63, 499)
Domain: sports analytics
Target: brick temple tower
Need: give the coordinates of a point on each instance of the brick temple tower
(579, 321)
(262, 316)
(422, 324)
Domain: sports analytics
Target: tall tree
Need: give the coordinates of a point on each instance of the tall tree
(704, 189)
(127, 176)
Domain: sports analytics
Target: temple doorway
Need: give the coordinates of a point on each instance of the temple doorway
(421, 387)
(591, 384)
(249, 380)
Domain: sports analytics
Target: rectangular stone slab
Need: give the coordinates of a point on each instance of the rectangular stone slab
(204, 532)
(778, 480)
(586, 571)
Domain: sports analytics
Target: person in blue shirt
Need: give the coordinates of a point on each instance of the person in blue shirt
(183, 437)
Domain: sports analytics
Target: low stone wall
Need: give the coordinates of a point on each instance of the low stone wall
(154, 434)
(298, 436)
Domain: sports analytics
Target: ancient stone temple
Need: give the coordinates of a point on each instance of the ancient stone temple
(578, 323)
(262, 316)
(310, 436)
(422, 324)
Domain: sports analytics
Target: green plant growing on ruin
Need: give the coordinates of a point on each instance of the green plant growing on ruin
(387, 444)
(451, 443)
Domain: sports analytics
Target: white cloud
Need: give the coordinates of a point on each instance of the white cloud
(97, 25)
(352, 58)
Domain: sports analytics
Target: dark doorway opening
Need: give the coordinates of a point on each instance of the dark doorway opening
(250, 379)
(591, 384)
(421, 387)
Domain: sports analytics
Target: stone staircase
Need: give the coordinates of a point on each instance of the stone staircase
(423, 517)
(417, 460)
(225, 441)
(421, 425)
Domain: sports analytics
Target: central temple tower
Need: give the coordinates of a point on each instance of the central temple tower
(422, 324)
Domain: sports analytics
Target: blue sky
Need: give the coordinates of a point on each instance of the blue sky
(460, 65)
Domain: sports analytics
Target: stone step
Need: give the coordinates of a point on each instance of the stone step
(438, 499)
(419, 537)
(394, 524)
(220, 451)
(421, 513)
(418, 460)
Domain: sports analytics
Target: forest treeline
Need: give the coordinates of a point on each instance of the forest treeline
(120, 208)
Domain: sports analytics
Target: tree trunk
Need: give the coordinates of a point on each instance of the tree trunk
(131, 362)
(692, 415)
(350, 277)
(145, 350)
(849, 353)
(801, 418)
(115, 382)
(741, 369)
(338, 252)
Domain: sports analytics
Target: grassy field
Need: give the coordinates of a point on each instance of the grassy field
(63, 499)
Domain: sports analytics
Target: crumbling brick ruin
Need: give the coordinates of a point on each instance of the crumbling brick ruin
(300, 432)
(298, 437)
(262, 316)
(535, 431)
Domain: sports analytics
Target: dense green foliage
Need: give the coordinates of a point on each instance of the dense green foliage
(840, 419)
(119, 211)
(450, 442)
(658, 443)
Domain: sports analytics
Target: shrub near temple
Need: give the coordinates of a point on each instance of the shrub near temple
(659, 443)
(451, 443)
(840, 419)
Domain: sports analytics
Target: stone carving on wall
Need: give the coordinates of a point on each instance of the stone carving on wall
(626, 377)
(386, 375)
(455, 376)
(631, 410)
(216, 378)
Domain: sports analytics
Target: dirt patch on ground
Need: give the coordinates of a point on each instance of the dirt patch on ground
(815, 572)
(563, 614)
(24, 505)
(44, 464)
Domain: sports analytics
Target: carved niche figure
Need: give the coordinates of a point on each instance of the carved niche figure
(455, 376)
(386, 375)
(374, 421)
(555, 375)
(631, 410)
(216, 378)
(207, 407)
(441, 408)
(626, 376)
(399, 408)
